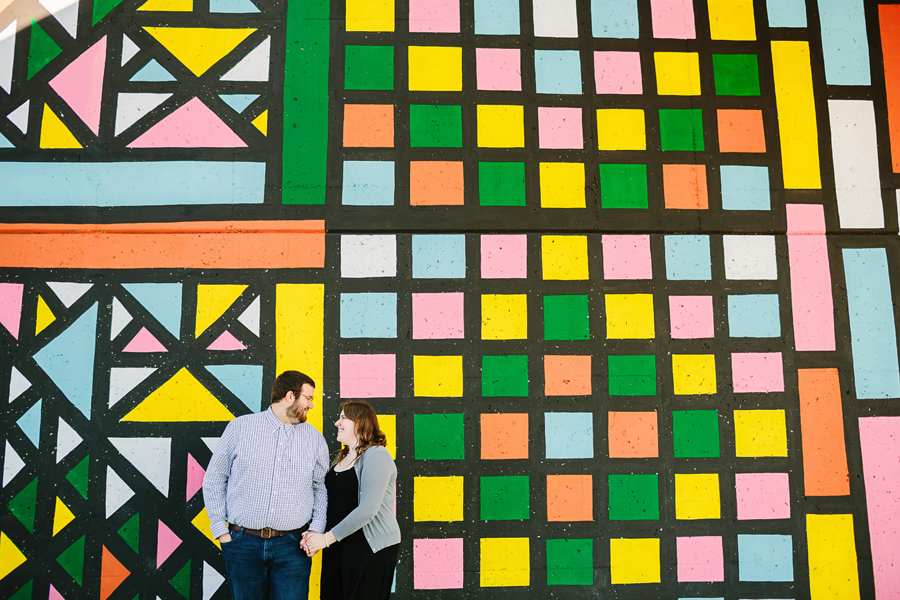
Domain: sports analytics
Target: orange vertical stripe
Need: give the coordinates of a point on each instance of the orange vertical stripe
(889, 21)
(822, 429)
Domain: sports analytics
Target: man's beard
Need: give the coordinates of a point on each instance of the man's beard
(294, 414)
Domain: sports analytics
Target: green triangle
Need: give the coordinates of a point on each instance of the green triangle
(72, 560)
(24, 593)
(78, 476)
(42, 50)
(182, 580)
(103, 8)
(23, 504)
(130, 531)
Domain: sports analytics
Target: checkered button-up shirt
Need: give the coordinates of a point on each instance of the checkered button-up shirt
(265, 473)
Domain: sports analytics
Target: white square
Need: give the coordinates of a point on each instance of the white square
(750, 257)
(368, 256)
(555, 18)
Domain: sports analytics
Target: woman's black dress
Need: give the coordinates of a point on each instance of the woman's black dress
(350, 571)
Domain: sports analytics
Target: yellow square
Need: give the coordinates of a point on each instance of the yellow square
(438, 499)
(629, 317)
(731, 20)
(564, 257)
(500, 126)
(621, 129)
(388, 426)
(504, 316)
(562, 185)
(435, 69)
(697, 496)
(438, 376)
(505, 562)
(760, 433)
(694, 373)
(677, 73)
(370, 15)
(634, 560)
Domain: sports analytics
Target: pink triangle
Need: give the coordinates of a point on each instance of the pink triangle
(195, 475)
(193, 125)
(54, 595)
(80, 84)
(166, 543)
(11, 306)
(226, 341)
(144, 342)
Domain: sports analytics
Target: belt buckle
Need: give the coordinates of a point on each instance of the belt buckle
(266, 533)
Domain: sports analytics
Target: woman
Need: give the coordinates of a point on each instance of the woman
(362, 537)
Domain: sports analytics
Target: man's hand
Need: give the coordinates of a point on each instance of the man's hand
(313, 542)
(225, 538)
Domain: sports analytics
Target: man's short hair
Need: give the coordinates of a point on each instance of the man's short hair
(289, 381)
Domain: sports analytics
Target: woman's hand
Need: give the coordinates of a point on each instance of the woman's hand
(313, 542)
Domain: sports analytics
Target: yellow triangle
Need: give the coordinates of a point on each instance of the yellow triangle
(198, 48)
(167, 6)
(62, 516)
(201, 522)
(262, 122)
(54, 134)
(44, 316)
(10, 556)
(181, 398)
(212, 302)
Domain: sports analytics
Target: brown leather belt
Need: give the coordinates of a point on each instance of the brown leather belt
(267, 532)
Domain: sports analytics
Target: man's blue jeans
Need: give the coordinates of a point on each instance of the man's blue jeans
(258, 569)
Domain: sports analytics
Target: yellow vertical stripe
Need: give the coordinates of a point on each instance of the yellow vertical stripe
(300, 335)
(833, 572)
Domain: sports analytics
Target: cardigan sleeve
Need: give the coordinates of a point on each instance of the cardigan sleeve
(376, 475)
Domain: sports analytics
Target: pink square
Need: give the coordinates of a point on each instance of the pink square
(498, 69)
(700, 558)
(560, 128)
(504, 256)
(368, 375)
(627, 257)
(673, 19)
(757, 372)
(438, 564)
(437, 316)
(618, 72)
(762, 496)
(691, 317)
(434, 16)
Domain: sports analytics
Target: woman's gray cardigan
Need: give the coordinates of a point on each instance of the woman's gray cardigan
(377, 477)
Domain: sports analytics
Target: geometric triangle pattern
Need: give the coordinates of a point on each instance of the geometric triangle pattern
(212, 302)
(181, 398)
(44, 316)
(226, 341)
(198, 48)
(69, 292)
(67, 439)
(80, 84)
(55, 134)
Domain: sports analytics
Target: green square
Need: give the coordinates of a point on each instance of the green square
(681, 129)
(369, 68)
(696, 433)
(505, 498)
(439, 437)
(736, 74)
(623, 186)
(566, 318)
(501, 183)
(435, 126)
(504, 376)
(570, 562)
(634, 497)
(632, 375)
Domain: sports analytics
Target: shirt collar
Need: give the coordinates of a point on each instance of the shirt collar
(274, 422)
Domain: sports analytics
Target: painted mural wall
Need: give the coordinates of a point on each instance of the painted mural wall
(618, 275)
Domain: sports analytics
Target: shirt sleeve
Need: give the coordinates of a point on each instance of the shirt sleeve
(215, 481)
(320, 494)
(373, 485)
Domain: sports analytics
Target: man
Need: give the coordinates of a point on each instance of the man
(264, 487)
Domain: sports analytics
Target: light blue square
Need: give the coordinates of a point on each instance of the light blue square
(765, 558)
(786, 13)
(754, 315)
(557, 71)
(688, 258)
(368, 183)
(497, 17)
(439, 256)
(569, 435)
(745, 188)
(615, 19)
(369, 315)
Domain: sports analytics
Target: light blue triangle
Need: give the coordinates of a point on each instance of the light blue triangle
(69, 360)
(238, 101)
(30, 423)
(152, 71)
(163, 300)
(232, 6)
(5, 143)
(244, 381)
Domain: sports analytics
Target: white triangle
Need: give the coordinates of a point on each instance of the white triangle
(65, 11)
(124, 379)
(117, 492)
(253, 67)
(19, 117)
(12, 464)
(120, 318)
(67, 439)
(150, 456)
(69, 292)
(131, 107)
(250, 317)
(211, 443)
(212, 581)
(129, 49)
(7, 54)
(17, 384)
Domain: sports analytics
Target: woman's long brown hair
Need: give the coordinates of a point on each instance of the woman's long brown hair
(367, 431)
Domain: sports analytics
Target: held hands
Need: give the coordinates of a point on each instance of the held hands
(313, 542)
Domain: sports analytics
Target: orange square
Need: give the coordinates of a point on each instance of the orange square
(570, 498)
(633, 435)
(504, 436)
(741, 131)
(435, 183)
(567, 375)
(684, 186)
(369, 125)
